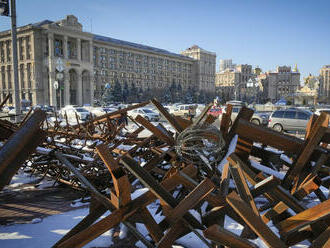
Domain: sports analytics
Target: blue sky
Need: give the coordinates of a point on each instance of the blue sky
(258, 32)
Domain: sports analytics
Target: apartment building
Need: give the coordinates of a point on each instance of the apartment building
(234, 81)
(324, 90)
(281, 83)
(61, 64)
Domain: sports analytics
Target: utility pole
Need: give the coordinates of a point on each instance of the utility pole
(15, 62)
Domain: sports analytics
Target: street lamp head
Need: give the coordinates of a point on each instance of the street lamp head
(4, 7)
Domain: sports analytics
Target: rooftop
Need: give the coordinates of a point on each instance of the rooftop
(115, 41)
(138, 46)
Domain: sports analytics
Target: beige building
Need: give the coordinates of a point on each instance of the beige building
(230, 81)
(41, 48)
(60, 64)
(204, 68)
(324, 90)
(281, 83)
(148, 68)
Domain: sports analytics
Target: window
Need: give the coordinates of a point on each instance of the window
(29, 75)
(21, 72)
(8, 51)
(236, 110)
(21, 49)
(28, 47)
(2, 52)
(72, 49)
(290, 114)
(9, 76)
(303, 116)
(58, 48)
(278, 114)
(3, 76)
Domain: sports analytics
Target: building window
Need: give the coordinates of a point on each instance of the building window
(28, 69)
(2, 52)
(21, 73)
(46, 46)
(58, 48)
(3, 77)
(9, 76)
(72, 49)
(21, 48)
(28, 47)
(8, 51)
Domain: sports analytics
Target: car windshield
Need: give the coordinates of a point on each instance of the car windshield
(81, 110)
(107, 109)
(148, 111)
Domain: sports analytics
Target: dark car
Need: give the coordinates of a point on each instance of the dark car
(289, 120)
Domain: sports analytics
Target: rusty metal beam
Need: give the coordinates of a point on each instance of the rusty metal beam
(19, 146)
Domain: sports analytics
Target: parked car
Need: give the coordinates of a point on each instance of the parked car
(185, 110)
(318, 111)
(145, 113)
(236, 103)
(12, 111)
(98, 111)
(289, 120)
(6, 109)
(257, 118)
(71, 112)
(215, 111)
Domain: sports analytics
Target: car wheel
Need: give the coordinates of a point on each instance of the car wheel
(147, 118)
(278, 127)
(255, 121)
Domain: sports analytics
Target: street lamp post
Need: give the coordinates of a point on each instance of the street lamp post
(4, 10)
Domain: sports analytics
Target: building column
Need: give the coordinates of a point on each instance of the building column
(65, 47)
(79, 85)
(91, 83)
(5, 50)
(51, 67)
(78, 49)
(66, 87)
(90, 44)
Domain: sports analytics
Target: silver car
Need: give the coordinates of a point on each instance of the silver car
(257, 118)
(289, 120)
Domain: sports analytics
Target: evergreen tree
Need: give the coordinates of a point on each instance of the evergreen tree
(173, 92)
(201, 97)
(195, 96)
(167, 95)
(107, 97)
(179, 92)
(140, 95)
(125, 92)
(188, 98)
(116, 91)
(133, 93)
(147, 95)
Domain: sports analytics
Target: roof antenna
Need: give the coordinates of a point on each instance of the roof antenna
(91, 25)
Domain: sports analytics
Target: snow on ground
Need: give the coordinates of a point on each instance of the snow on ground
(21, 178)
(47, 232)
